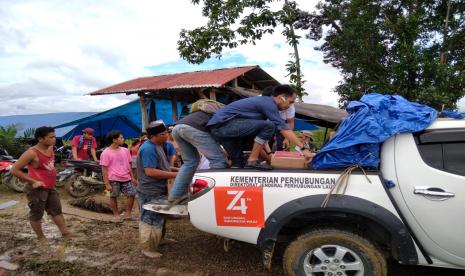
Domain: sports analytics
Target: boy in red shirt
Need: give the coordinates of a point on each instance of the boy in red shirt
(40, 191)
(117, 174)
(84, 145)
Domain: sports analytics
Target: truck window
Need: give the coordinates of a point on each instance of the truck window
(443, 149)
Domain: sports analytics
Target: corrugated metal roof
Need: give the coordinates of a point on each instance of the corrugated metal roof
(198, 79)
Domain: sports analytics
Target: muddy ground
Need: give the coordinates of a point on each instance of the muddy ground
(102, 247)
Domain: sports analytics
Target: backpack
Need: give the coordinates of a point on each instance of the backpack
(206, 105)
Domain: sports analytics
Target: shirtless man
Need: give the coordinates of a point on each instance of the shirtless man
(40, 190)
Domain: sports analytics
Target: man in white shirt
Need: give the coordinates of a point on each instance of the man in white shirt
(287, 115)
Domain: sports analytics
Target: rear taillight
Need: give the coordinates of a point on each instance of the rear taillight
(201, 185)
(198, 185)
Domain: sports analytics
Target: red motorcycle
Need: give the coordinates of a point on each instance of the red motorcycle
(6, 177)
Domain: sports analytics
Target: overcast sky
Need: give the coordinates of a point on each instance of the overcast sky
(52, 53)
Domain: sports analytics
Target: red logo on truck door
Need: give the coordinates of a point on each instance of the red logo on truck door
(237, 206)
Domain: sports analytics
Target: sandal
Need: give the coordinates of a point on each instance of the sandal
(168, 203)
(175, 201)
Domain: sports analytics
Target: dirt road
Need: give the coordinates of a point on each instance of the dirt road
(106, 248)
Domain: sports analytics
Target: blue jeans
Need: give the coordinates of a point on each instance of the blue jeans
(191, 141)
(234, 134)
(150, 217)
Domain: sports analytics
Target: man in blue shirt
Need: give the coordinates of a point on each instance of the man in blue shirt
(153, 172)
(254, 117)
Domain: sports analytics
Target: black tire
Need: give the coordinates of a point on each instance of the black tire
(75, 187)
(361, 255)
(59, 184)
(13, 182)
(71, 178)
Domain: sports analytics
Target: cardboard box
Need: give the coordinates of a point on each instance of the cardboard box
(288, 160)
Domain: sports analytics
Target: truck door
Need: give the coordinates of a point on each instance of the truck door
(430, 170)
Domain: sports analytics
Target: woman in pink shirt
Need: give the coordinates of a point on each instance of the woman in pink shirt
(117, 174)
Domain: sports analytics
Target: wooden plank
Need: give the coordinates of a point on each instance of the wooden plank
(260, 81)
(200, 93)
(174, 108)
(143, 110)
(213, 94)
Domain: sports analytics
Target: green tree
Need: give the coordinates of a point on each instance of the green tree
(9, 142)
(29, 133)
(7, 136)
(412, 48)
(235, 22)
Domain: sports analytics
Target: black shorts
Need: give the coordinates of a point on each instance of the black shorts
(40, 200)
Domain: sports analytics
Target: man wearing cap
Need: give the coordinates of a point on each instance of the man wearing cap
(153, 172)
(306, 137)
(83, 146)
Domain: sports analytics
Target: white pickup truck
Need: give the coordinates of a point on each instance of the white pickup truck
(412, 210)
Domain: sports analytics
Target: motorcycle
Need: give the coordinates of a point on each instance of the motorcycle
(80, 177)
(11, 181)
(6, 177)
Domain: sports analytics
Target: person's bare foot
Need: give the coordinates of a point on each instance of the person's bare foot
(42, 244)
(152, 255)
(130, 218)
(117, 219)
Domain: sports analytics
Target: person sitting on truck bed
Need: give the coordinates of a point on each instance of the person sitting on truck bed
(255, 116)
(192, 137)
(306, 137)
(287, 115)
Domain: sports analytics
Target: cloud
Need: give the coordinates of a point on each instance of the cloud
(29, 89)
(53, 54)
(65, 104)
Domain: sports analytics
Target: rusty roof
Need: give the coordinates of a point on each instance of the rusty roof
(197, 79)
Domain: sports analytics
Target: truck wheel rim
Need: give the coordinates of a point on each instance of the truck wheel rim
(333, 260)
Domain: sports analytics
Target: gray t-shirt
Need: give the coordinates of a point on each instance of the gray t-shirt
(197, 120)
(154, 156)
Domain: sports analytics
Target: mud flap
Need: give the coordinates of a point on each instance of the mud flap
(267, 253)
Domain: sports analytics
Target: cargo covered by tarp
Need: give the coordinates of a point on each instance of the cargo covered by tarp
(372, 120)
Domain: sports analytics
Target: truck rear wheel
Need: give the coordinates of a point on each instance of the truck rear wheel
(332, 252)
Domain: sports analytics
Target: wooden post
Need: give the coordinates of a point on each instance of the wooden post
(234, 84)
(200, 93)
(143, 110)
(174, 108)
(213, 94)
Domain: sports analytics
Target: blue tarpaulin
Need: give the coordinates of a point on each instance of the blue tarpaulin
(125, 118)
(300, 124)
(453, 114)
(371, 121)
(25, 122)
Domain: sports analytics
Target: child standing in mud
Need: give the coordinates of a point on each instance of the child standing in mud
(40, 191)
(117, 174)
